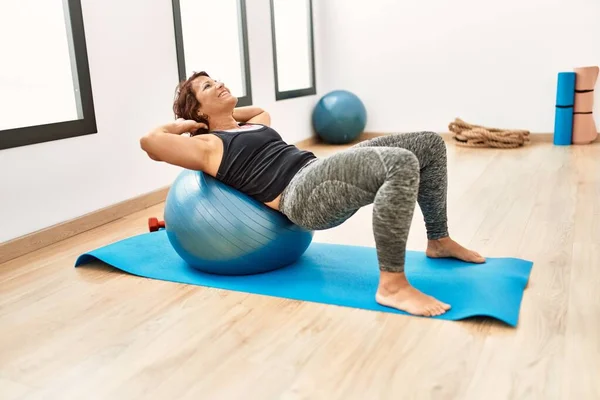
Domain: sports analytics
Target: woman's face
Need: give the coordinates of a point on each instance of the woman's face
(214, 97)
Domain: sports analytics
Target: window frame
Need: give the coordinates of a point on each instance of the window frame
(290, 94)
(29, 135)
(242, 100)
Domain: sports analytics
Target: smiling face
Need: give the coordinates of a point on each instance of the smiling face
(202, 99)
(214, 97)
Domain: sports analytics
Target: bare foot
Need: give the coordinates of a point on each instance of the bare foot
(446, 247)
(396, 292)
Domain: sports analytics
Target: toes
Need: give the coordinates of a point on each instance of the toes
(478, 257)
(440, 308)
(473, 256)
(435, 311)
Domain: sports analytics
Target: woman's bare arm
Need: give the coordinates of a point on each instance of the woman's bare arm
(252, 115)
(167, 144)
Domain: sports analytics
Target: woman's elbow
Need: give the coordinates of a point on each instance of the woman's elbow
(264, 118)
(267, 119)
(146, 143)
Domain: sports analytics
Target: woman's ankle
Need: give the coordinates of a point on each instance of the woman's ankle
(439, 239)
(392, 282)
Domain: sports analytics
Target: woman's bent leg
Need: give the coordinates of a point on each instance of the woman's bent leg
(430, 150)
(330, 190)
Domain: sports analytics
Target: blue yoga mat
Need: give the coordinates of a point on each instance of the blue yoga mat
(563, 116)
(339, 275)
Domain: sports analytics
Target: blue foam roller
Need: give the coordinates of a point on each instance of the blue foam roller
(339, 275)
(565, 99)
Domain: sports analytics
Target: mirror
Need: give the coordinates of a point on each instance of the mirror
(293, 48)
(211, 36)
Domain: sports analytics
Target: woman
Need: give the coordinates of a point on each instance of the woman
(391, 172)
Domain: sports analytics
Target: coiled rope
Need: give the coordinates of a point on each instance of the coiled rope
(469, 135)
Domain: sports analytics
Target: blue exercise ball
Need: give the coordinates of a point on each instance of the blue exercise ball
(219, 230)
(339, 117)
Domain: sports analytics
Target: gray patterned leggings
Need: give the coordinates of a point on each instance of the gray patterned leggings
(392, 172)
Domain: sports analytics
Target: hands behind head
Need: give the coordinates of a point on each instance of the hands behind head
(181, 126)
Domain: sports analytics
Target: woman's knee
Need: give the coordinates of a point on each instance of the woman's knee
(435, 142)
(402, 161)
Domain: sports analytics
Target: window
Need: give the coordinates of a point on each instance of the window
(45, 88)
(211, 36)
(293, 48)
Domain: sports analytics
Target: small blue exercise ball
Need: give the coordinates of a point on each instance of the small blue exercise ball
(339, 117)
(219, 230)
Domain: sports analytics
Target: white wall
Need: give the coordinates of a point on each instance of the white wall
(131, 49)
(419, 64)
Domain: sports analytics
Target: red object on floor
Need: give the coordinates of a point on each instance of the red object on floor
(154, 224)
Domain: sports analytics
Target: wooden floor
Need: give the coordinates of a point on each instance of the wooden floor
(96, 333)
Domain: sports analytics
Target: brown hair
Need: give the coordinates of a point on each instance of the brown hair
(186, 105)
